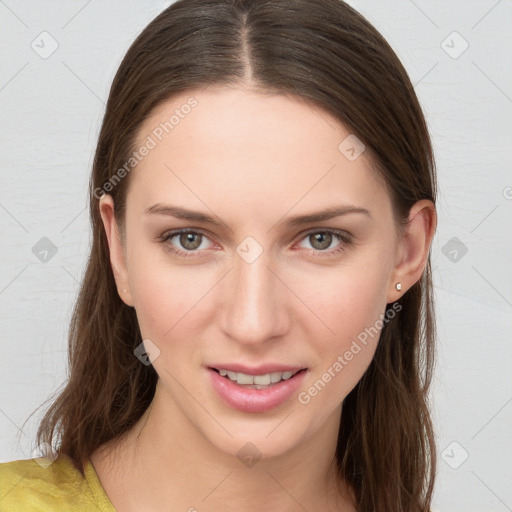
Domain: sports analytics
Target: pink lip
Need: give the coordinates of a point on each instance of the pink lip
(254, 400)
(256, 370)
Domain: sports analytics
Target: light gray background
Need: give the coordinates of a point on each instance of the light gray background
(51, 109)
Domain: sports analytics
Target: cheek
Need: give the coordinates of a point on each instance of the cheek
(170, 312)
(350, 304)
(166, 299)
(344, 301)
(160, 293)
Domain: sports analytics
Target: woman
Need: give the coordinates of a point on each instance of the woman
(255, 327)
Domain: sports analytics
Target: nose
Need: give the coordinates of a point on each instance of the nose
(254, 302)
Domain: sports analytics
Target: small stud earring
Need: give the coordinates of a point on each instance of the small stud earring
(124, 290)
(398, 286)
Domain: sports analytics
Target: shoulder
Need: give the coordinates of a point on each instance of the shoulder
(41, 485)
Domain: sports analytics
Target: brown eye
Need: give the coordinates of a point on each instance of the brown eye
(190, 241)
(321, 240)
(326, 242)
(185, 242)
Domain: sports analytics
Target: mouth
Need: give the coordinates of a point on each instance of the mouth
(262, 381)
(256, 392)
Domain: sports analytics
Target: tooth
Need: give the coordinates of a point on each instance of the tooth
(256, 381)
(275, 377)
(243, 378)
(263, 380)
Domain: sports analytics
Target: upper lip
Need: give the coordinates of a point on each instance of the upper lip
(261, 369)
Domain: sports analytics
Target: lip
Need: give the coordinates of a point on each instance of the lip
(255, 400)
(262, 369)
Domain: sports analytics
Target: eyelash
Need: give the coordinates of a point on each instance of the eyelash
(344, 238)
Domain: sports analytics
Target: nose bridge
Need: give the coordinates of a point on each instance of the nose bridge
(253, 311)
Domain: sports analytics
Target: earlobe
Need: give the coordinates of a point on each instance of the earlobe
(117, 257)
(414, 248)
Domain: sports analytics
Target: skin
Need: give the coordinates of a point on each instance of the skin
(251, 160)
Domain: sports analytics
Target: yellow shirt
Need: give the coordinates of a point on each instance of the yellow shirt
(32, 485)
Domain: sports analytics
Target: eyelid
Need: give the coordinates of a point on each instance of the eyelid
(168, 235)
(344, 237)
(340, 232)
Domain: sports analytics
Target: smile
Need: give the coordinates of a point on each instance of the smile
(256, 381)
(245, 392)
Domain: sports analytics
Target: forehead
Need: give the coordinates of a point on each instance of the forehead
(233, 144)
(229, 115)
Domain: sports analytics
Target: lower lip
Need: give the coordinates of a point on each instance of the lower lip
(255, 400)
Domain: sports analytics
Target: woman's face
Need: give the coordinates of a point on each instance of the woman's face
(250, 287)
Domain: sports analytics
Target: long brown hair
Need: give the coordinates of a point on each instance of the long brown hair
(330, 55)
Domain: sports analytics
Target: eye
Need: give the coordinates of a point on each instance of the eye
(187, 242)
(322, 240)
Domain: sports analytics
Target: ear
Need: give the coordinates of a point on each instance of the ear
(414, 247)
(117, 255)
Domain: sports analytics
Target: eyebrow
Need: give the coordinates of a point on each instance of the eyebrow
(319, 216)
